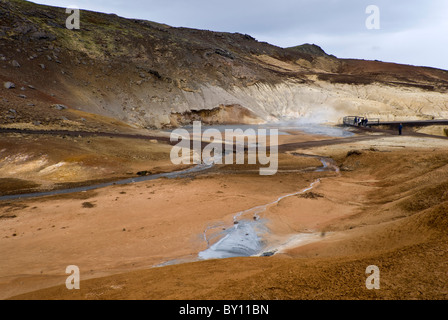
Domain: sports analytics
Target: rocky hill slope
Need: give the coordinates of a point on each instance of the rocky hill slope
(151, 75)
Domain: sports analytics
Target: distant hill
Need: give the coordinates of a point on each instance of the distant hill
(310, 49)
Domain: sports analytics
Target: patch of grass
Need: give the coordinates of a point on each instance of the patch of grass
(88, 205)
(354, 153)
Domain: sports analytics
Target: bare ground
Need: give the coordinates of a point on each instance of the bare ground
(388, 208)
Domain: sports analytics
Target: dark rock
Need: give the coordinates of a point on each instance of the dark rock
(249, 37)
(224, 53)
(59, 106)
(24, 29)
(155, 74)
(41, 35)
(268, 253)
(46, 14)
(144, 173)
(22, 96)
(52, 23)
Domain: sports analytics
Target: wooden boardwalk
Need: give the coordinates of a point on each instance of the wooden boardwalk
(355, 122)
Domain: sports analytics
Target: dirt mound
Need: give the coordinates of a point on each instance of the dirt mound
(437, 218)
(426, 198)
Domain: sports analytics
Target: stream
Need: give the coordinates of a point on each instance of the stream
(175, 174)
(245, 237)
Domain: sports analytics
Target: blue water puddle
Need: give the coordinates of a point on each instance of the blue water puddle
(242, 240)
(246, 237)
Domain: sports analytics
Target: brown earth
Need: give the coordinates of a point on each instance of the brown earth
(387, 208)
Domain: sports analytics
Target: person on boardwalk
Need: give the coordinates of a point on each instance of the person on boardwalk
(400, 129)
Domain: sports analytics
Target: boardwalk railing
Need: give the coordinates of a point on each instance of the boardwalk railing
(358, 121)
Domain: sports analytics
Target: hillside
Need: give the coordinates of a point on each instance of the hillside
(150, 75)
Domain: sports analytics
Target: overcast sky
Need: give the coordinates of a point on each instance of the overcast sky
(411, 31)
